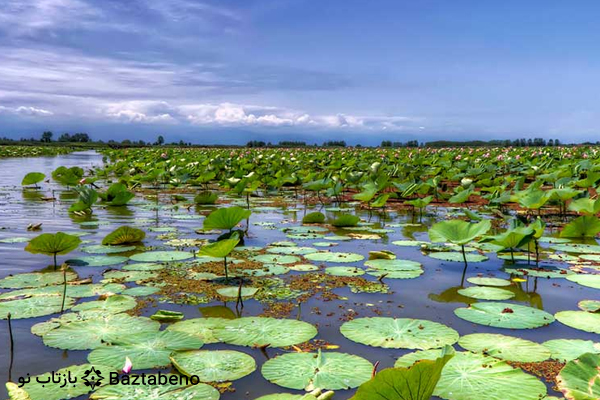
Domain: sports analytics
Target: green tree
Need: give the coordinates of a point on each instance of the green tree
(46, 137)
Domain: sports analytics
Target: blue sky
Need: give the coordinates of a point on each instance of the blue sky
(229, 71)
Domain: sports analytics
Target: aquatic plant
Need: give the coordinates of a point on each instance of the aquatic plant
(53, 244)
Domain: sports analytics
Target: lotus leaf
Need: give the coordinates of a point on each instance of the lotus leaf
(204, 328)
(585, 321)
(35, 279)
(124, 235)
(36, 306)
(565, 350)
(580, 379)
(54, 391)
(261, 331)
(226, 218)
(161, 256)
(505, 347)
(486, 293)
(111, 305)
(199, 391)
(214, 366)
(333, 257)
(505, 315)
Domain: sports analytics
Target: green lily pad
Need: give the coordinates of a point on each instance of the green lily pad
(334, 257)
(92, 333)
(505, 315)
(261, 331)
(54, 391)
(200, 391)
(129, 276)
(542, 272)
(585, 321)
(291, 250)
(409, 243)
(165, 316)
(161, 256)
(35, 280)
(140, 291)
(399, 333)
(486, 293)
(592, 281)
(233, 291)
(18, 239)
(111, 305)
(585, 305)
(275, 259)
(476, 280)
(578, 248)
(214, 366)
(303, 267)
(267, 270)
(102, 249)
(143, 267)
(564, 350)
(456, 256)
(469, 376)
(96, 261)
(204, 328)
(325, 370)
(35, 306)
(580, 379)
(344, 271)
(146, 350)
(75, 291)
(505, 347)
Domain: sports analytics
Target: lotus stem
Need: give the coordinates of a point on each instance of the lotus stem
(326, 396)
(226, 275)
(62, 307)
(464, 254)
(55, 261)
(239, 295)
(12, 347)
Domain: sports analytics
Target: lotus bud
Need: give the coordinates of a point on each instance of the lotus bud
(466, 181)
(128, 366)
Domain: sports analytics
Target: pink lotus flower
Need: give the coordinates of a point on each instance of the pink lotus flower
(128, 366)
(82, 181)
(163, 155)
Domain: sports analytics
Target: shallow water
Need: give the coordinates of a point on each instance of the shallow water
(431, 296)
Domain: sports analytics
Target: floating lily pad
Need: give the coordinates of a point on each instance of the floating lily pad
(399, 333)
(275, 259)
(129, 276)
(303, 267)
(161, 256)
(261, 331)
(469, 376)
(325, 370)
(143, 267)
(542, 272)
(140, 291)
(96, 261)
(267, 270)
(17, 239)
(75, 291)
(578, 248)
(111, 305)
(214, 366)
(102, 249)
(60, 391)
(291, 250)
(486, 293)
(564, 350)
(36, 306)
(580, 379)
(204, 328)
(507, 348)
(592, 281)
(146, 350)
(585, 321)
(200, 391)
(505, 315)
(334, 257)
(92, 333)
(456, 256)
(489, 281)
(35, 280)
(410, 243)
(585, 305)
(344, 271)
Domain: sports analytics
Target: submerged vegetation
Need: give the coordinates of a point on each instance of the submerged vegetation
(293, 273)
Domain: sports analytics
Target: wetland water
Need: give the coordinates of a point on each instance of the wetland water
(431, 296)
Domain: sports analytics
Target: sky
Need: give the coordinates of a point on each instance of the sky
(362, 71)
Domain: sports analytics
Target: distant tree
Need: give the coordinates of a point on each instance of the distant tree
(255, 143)
(386, 143)
(335, 143)
(46, 137)
(80, 138)
(551, 142)
(126, 141)
(556, 142)
(65, 137)
(160, 140)
(412, 143)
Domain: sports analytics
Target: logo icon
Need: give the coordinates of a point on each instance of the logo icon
(92, 378)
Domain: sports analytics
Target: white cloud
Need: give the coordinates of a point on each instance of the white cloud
(26, 111)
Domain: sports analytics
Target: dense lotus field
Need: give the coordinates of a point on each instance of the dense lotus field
(33, 151)
(276, 274)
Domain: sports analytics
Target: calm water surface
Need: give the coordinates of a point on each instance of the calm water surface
(432, 296)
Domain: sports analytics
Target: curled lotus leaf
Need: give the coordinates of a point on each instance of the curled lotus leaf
(580, 379)
(124, 235)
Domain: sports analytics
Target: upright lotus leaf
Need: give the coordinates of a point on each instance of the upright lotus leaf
(117, 195)
(68, 176)
(87, 198)
(534, 199)
(324, 370)
(582, 227)
(580, 379)
(35, 306)
(565, 350)
(416, 382)
(214, 366)
(314, 218)
(92, 333)
(585, 321)
(505, 315)
(399, 333)
(469, 376)
(42, 387)
(226, 218)
(206, 197)
(512, 238)
(122, 391)
(146, 350)
(505, 347)
(53, 244)
(15, 392)
(585, 206)
(124, 235)
(458, 231)
(260, 331)
(33, 178)
(222, 248)
(346, 220)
